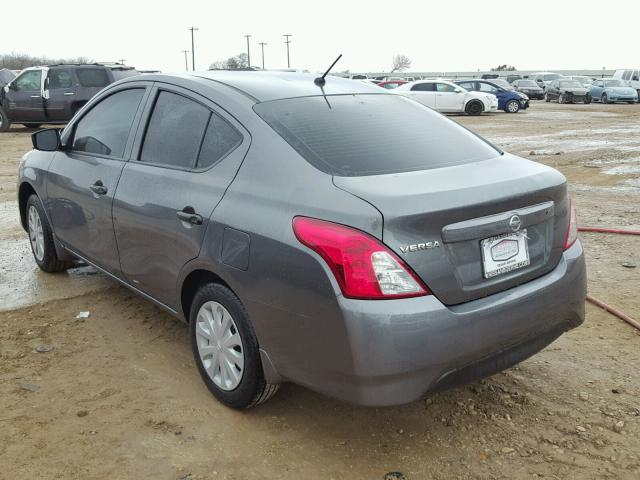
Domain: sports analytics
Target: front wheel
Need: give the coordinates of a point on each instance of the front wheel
(225, 348)
(604, 98)
(5, 124)
(587, 99)
(513, 106)
(41, 238)
(474, 108)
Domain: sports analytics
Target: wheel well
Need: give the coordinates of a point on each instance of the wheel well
(192, 283)
(24, 193)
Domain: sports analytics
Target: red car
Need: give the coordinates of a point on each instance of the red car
(391, 84)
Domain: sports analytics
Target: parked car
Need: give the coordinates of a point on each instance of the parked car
(513, 78)
(610, 90)
(358, 76)
(508, 99)
(53, 94)
(349, 240)
(447, 97)
(388, 78)
(544, 78)
(391, 84)
(630, 77)
(584, 81)
(530, 88)
(567, 91)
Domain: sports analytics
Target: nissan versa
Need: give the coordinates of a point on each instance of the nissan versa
(331, 234)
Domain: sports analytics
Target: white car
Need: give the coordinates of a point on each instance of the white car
(629, 77)
(447, 97)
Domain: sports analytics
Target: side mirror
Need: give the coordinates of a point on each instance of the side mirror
(13, 86)
(457, 90)
(47, 140)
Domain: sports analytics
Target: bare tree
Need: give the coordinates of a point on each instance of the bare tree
(400, 63)
(504, 68)
(237, 62)
(18, 61)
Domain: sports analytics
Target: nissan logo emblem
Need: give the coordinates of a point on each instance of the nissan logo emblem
(515, 223)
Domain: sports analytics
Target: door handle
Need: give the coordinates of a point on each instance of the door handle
(36, 96)
(69, 93)
(98, 188)
(189, 215)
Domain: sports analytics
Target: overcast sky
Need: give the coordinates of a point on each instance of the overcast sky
(437, 36)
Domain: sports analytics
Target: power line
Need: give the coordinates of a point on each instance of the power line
(262, 44)
(287, 41)
(248, 51)
(186, 61)
(193, 48)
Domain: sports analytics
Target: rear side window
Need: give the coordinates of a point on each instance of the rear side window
(92, 77)
(423, 87)
(60, 79)
(357, 135)
(105, 129)
(185, 134)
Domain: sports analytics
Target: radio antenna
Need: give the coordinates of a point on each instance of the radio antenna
(320, 81)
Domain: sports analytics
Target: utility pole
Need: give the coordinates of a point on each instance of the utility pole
(193, 49)
(287, 41)
(248, 51)
(122, 60)
(262, 44)
(186, 62)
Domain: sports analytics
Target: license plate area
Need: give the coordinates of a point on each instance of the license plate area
(504, 253)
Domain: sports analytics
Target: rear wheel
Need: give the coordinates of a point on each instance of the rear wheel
(474, 107)
(513, 106)
(41, 238)
(225, 348)
(5, 124)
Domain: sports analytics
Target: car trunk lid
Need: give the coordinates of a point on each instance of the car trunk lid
(435, 220)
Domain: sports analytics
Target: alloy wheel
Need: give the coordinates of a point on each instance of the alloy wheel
(219, 345)
(36, 234)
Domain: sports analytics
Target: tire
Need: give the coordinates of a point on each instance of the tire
(5, 124)
(32, 125)
(41, 238)
(474, 107)
(587, 99)
(513, 106)
(546, 97)
(561, 98)
(604, 98)
(242, 385)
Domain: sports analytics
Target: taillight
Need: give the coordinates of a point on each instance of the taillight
(572, 229)
(363, 266)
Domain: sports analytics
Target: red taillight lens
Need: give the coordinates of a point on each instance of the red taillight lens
(572, 229)
(363, 266)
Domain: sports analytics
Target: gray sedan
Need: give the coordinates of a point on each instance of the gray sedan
(336, 236)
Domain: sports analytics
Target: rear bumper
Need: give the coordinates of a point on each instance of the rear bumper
(401, 349)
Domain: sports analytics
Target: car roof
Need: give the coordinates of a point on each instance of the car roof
(266, 85)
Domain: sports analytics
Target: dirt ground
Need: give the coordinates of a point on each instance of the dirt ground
(118, 396)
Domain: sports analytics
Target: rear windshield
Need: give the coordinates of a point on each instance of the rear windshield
(92, 77)
(119, 74)
(357, 135)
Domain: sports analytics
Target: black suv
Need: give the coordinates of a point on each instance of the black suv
(53, 94)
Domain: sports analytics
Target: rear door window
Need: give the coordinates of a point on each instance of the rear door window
(423, 87)
(104, 130)
(92, 77)
(357, 135)
(60, 79)
(185, 134)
